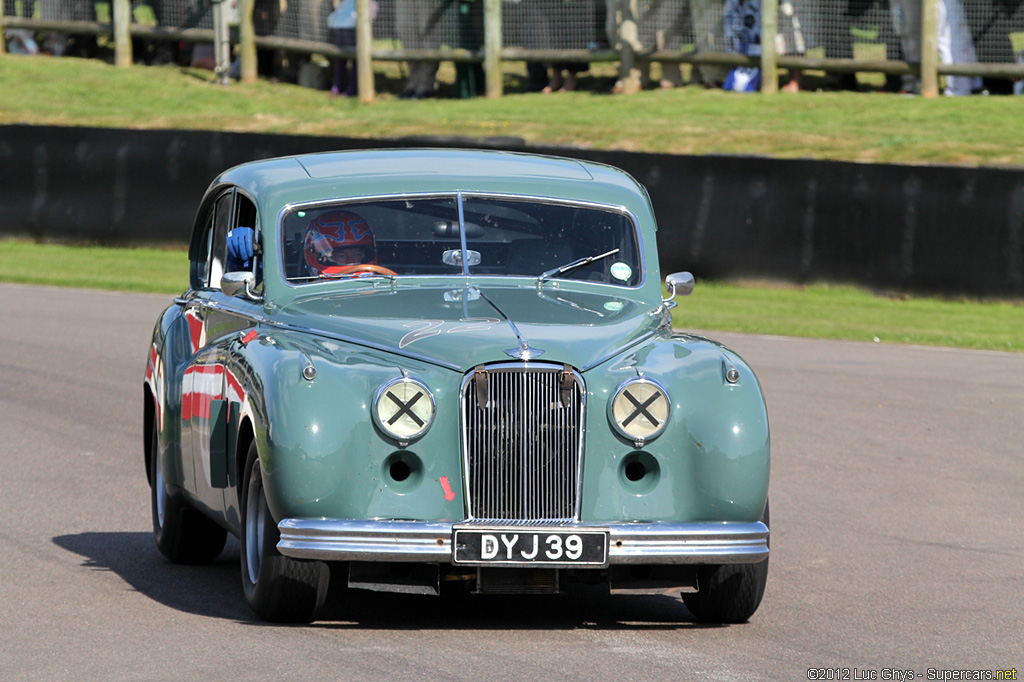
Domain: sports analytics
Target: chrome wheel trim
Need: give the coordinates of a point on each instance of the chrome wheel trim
(255, 515)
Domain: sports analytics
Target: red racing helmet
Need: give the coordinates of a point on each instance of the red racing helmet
(337, 239)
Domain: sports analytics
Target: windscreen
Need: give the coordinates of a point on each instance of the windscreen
(421, 236)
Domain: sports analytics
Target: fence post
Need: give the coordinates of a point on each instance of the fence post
(929, 48)
(221, 43)
(364, 46)
(247, 42)
(769, 63)
(629, 36)
(492, 48)
(122, 17)
(3, 41)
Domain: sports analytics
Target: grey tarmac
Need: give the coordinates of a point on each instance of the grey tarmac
(897, 516)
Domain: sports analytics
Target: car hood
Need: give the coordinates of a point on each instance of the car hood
(464, 327)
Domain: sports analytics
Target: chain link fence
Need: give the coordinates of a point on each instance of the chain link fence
(878, 35)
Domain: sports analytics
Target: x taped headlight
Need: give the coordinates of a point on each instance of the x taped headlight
(403, 409)
(639, 410)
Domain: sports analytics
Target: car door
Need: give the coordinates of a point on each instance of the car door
(211, 394)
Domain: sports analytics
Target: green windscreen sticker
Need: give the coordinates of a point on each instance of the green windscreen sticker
(621, 271)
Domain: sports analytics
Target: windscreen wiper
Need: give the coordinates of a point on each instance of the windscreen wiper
(579, 263)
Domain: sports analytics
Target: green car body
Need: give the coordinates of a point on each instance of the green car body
(272, 397)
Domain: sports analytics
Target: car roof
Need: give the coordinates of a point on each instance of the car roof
(276, 183)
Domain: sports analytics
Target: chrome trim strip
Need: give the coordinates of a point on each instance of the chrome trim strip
(338, 540)
(462, 234)
(431, 541)
(688, 543)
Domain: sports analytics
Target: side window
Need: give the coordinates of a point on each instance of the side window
(201, 265)
(245, 216)
(222, 215)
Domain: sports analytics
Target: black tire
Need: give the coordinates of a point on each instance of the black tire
(728, 593)
(182, 534)
(279, 589)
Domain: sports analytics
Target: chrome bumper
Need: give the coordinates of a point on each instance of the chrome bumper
(431, 541)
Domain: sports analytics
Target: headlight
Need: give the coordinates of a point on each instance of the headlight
(403, 409)
(639, 410)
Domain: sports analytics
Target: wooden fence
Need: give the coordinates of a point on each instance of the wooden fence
(122, 29)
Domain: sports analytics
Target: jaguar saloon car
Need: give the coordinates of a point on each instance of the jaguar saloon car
(425, 370)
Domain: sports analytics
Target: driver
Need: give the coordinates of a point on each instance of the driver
(337, 242)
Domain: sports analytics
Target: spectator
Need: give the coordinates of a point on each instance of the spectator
(21, 41)
(623, 33)
(342, 23)
(558, 83)
(741, 21)
(554, 26)
(790, 40)
(265, 16)
(954, 39)
(707, 31)
(419, 28)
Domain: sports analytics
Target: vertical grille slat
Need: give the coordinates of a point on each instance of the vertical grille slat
(523, 445)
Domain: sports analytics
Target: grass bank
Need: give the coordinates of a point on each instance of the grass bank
(851, 126)
(819, 311)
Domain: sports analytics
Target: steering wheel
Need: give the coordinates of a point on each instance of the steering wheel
(365, 267)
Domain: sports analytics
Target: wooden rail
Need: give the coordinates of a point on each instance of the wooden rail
(493, 53)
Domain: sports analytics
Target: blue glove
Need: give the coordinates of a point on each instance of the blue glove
(240, 250)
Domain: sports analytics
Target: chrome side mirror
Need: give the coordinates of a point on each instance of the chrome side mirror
(679, 284)
(236, 283)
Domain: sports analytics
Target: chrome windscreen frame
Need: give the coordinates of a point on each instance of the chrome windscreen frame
(459, 197)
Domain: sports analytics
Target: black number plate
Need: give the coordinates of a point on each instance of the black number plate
(530, 546)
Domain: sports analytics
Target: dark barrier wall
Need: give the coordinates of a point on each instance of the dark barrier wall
(932, 229)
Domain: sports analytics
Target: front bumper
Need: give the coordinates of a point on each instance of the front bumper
(431, 541)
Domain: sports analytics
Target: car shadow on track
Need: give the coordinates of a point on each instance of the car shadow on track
(215, 591)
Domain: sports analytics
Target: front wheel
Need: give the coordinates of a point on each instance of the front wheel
(729, 593)
(278, 588)
(182, 534)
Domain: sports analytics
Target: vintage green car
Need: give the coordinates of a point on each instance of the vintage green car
(408, 370)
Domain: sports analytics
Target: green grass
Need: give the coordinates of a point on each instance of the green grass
(853, 126)
(849, 313)
(139, 269)
(819, 311)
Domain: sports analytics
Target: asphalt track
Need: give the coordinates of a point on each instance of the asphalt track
(897, 515)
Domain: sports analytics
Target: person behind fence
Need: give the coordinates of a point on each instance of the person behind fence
(568, 82)
(954, 42)
(342, 24)
(418, 27)
(641, 27)
(741, 21)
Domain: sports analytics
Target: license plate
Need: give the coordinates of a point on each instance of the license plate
(530, 546)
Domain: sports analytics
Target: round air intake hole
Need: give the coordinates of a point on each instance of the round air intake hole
(635, 470)
(400, 470)
(639, 473)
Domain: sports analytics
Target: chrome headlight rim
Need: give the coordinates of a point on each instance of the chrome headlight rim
(638, 439)
(388, 429)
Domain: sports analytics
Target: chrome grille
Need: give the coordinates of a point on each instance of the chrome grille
(522, 438)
